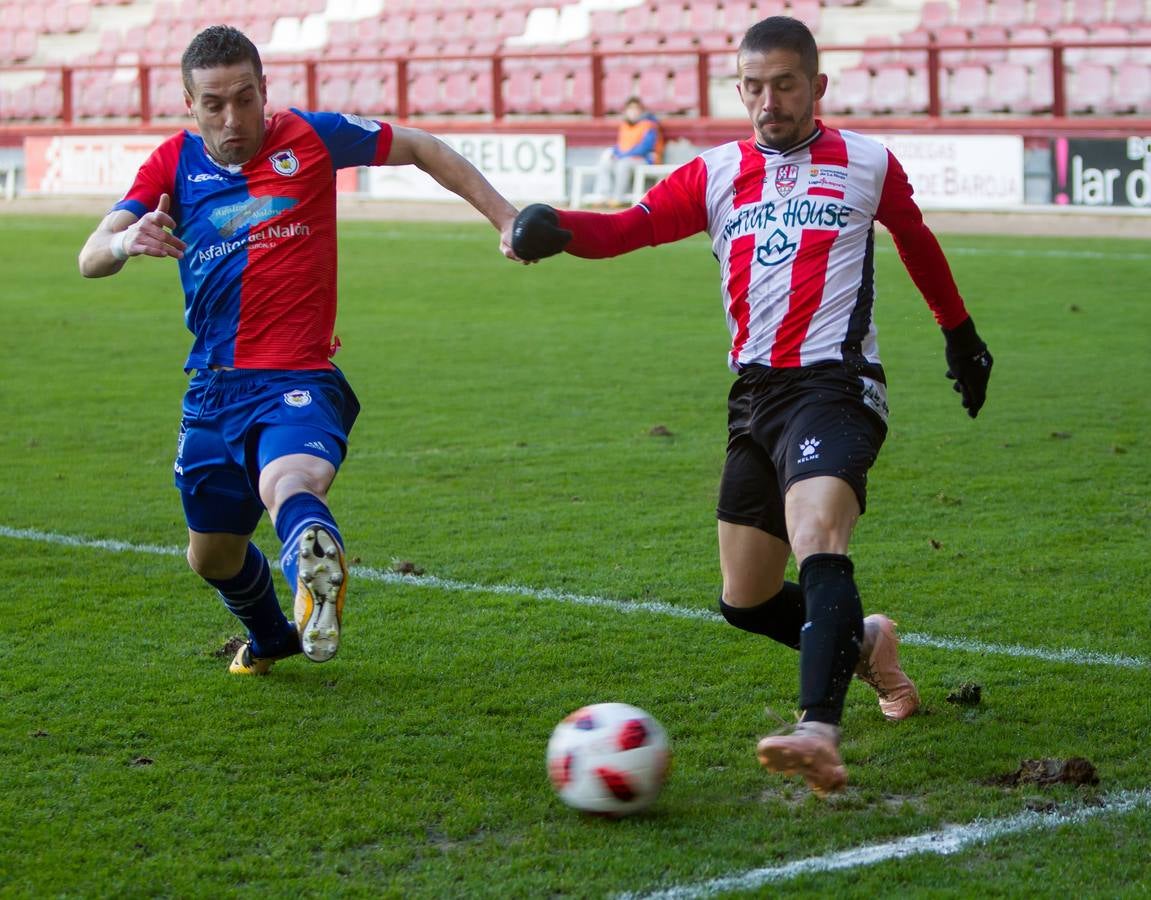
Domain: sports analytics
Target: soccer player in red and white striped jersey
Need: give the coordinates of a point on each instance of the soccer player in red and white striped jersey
(791, 215)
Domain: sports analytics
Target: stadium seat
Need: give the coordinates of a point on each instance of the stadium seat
(880, 52)
(1086, 12)
(1042, 95)
(1009, 13)
(808, 12)
(897, 91)
(618, 85)
(1141, 54)
(851, 92)
(965, 89)
(1047, 14)
(1109, 56)
(934, 15)
(988, 34)
(1010, 92)
(1129, 12)
(1132, 90)
(553, 90)
(519, 89)
(684, 90)
(1089, 88)
(973, 13)
(1075, 34)
(953, 34)
(1030, 56)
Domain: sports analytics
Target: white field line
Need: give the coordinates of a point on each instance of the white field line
(1070, 656)
(943, 842)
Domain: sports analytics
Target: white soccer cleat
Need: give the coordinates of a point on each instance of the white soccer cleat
(321, 586)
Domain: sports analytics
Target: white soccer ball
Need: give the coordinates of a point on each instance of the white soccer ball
(608, 758)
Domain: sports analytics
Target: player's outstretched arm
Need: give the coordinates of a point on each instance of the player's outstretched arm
(411, 146)
(121, 235)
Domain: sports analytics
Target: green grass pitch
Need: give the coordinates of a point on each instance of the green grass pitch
(507, 439)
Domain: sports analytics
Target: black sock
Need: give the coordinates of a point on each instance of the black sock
(831, 637)
(779, 618)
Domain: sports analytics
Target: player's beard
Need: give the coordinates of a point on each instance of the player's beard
(796, 130)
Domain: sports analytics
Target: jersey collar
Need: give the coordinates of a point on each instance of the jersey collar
(806, 142)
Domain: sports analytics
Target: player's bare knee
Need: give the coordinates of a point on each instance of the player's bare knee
(745, 594)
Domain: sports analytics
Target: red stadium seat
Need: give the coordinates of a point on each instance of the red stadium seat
(1047, 13)
(77, 17)
(618, 85)
(1042, 90)
(684, 90)
(851, 92)
(965, 89)
(973, 13)
(1089, 88)
(1086, 12)
(896, 90)
(519, 90)
(1073, 34)
(1012, 89)
(934, 15)
(1110, 56)
(1132, 90)
(953, 34)
(1030, 56)
(1009, 13)
(807, 11)
(1141, 54)
(988, 34)
(1129, 12)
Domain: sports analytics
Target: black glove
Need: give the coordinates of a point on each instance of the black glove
(536, 233)
(968, 365)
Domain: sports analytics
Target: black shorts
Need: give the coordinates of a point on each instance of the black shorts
(785, 425)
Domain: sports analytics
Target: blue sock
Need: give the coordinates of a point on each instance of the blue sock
(250, 596)
(294, 515)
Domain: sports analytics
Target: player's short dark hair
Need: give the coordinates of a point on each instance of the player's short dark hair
(783, 33)
(219, 45)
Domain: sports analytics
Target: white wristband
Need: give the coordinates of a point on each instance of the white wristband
(116, 245)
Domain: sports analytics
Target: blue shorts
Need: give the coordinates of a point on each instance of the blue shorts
(235, 422)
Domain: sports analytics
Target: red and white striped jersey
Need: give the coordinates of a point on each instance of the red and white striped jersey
(794, 235)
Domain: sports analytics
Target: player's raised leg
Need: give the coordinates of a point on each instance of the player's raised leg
(294, 487)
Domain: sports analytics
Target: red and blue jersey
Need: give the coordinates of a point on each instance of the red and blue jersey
(259, 271)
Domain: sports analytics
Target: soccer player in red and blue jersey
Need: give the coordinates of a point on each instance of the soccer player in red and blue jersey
(791, 216)
(248, 208)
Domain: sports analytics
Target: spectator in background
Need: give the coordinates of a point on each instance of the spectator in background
(638, 142)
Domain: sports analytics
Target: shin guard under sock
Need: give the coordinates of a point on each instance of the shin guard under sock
(250, 596)
(831, 637)
(779, 618)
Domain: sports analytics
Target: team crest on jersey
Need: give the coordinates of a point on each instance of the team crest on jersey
(785, 179)
(284, 162)
(298, 398)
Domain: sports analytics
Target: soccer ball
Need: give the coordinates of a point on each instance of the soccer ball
(608, 758)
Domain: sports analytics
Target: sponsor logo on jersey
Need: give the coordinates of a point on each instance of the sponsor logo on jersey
(298, 398)
(809, 450)
(206, 176)
(785, 179)
(828, 178)
(284, 162)
(236, 216)
(361, 122)
(777, 249)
